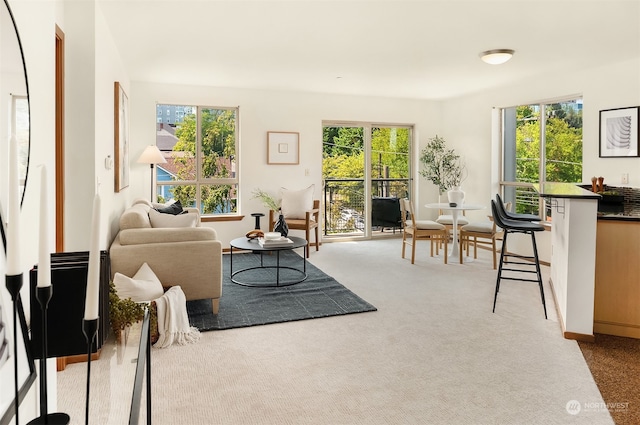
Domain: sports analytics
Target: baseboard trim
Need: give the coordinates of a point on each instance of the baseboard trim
(62, 362)
(568, 335)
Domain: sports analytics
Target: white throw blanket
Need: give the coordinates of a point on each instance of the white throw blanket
(173, 322)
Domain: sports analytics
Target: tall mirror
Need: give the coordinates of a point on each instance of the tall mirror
(14, 108)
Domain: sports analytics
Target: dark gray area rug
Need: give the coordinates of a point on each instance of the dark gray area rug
(318, 296)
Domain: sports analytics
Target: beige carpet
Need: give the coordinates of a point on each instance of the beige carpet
(433, 353)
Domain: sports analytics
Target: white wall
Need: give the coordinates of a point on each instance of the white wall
(262, 111)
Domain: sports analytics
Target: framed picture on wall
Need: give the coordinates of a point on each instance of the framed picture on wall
(121, 136)
(283, 147)
(619, 132)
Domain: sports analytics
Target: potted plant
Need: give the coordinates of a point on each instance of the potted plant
(442, 166)
(267, 200)
(122, 312)
(271, 203)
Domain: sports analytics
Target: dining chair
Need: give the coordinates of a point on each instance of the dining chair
(414, 230)
(478, 232)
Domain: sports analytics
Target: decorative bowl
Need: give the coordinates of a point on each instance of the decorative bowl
(272, 236)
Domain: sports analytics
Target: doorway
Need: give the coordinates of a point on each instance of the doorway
(363, 165)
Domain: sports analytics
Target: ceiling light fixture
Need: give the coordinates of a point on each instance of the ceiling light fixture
(496, 56)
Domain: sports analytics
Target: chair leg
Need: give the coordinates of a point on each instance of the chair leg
(413, 248)
(446, 241)
(493, 251)
(495, 296)
(462, 239)
(535, 254)
(404, 242)
(317, 240)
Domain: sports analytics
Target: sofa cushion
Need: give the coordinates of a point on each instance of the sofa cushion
(296, 203)
(143, 286)
(135, 217)
(158, 219)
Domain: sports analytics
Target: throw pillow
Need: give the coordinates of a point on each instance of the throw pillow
(168, 220)
(296, 203)
(144, 286)
(174, 208)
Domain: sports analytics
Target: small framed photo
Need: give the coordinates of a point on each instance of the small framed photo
(619, 132)
(283, 147)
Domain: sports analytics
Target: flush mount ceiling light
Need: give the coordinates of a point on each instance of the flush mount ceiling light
(496, 56)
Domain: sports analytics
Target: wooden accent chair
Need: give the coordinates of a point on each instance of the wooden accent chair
(414, 230)
(311, 221)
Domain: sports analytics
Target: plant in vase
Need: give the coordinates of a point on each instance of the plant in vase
(443, 167)
(271, 203)
(122, 312)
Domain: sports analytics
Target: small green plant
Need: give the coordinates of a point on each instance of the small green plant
(122, 313)
(268, 200)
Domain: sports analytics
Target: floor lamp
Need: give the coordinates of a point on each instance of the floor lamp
(152, 156)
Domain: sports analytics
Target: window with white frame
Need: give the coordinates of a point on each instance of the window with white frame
(540, 143)
(201, 168)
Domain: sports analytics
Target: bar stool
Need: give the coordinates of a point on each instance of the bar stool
(512, 215)
(517, 226)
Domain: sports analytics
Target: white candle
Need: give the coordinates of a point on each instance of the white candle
(44, 259)
(93, 276)
(13, 230)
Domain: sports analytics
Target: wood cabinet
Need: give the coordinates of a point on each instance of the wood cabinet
(617, 285)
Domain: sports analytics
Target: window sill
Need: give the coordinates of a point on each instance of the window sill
(213, 218)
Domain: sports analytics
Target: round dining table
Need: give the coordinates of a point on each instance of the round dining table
(455, 212)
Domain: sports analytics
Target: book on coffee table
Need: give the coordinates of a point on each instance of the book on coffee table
(275, 243)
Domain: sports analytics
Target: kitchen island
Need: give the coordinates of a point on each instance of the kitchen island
(573, 255)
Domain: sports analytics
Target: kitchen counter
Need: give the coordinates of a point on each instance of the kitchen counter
(564, 190)
(573, 254)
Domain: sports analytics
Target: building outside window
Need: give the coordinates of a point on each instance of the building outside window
(200, 149)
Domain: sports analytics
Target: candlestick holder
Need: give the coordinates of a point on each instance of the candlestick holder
(90, 330)
(14, 284)
(43, 294)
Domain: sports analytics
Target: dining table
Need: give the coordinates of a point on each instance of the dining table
(455, 213)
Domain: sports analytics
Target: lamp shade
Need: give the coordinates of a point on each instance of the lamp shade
(496, 56)
(151, 155)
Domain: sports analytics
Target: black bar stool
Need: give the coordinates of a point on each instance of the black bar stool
(517, 226)
(511, 215)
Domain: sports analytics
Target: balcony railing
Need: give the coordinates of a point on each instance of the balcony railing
(344, 202)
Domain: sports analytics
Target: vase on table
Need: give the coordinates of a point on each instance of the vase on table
(456, 195)
(281, 226)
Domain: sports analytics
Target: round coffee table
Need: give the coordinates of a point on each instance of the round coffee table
(253, 245)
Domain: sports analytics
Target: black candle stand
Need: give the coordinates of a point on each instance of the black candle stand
(90, 330)
(43, 294)
(257, 217)
(14, 284)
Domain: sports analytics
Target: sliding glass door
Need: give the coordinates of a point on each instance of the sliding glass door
(362, 163)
